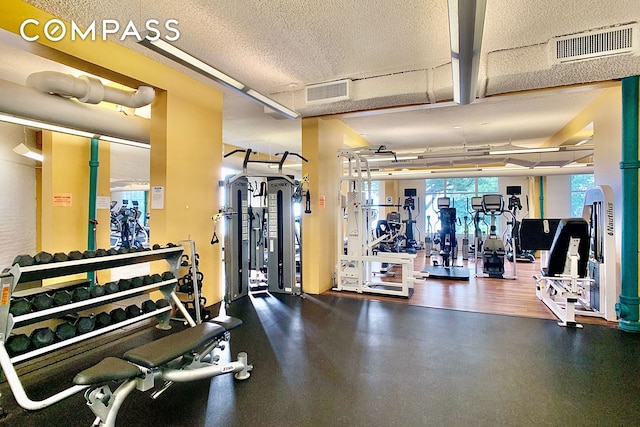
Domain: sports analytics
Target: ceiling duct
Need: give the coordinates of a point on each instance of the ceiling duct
(324, 93)
(595, 44)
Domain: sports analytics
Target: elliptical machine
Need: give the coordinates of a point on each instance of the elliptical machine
(493, 251)
(513, 240)
(447, 232)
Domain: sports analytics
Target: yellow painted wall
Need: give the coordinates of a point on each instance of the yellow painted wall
(321, 140)
(186, 140)
(65, 171)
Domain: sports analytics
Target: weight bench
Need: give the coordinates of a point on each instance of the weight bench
(184, 356)
(564, 279)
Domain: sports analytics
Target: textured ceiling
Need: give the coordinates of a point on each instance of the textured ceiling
(397, 53)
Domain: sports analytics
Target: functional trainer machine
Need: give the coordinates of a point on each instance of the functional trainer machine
(581, 277)
(354, 267)
(261, 238)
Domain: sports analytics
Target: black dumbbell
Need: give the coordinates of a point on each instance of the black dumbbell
(20, 306)
(89, 254)
(102, 252)
(17, 344)
(42, 337)
(136, 282)
(147, 280)
(96, 291)
(171, 245)
(161, 303)
(168, 275)
(118, 315)
(111, 287)
(132, 311)
(41, 302)
(113, 251)
(102, 319)
(43, 257)
(80, 294)
(61, 297)
(23, 260)
(148, 306)
(60, 257)
(124, 284)
(74, 255)
(156, 278)
(85, 324)
(122, 250)
(65, 331)
(156, 246)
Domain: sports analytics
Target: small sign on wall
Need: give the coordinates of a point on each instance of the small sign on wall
(64, 200)
(103, 202)
(157, 198)
(322, 202)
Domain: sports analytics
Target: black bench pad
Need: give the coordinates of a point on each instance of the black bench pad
(168, 348)
(108, 369)
(227, 322)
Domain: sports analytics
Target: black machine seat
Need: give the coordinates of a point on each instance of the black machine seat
(108, 369)
(168, 348)
(227, 322)
(568, 228)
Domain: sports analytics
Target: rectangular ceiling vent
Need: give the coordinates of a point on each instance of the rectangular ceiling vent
(324, 93)
(595, 44)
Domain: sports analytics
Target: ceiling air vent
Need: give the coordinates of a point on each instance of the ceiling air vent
(595, 44)
(324, 93)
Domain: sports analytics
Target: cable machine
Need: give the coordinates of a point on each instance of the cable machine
(261, 240)
(356, 259)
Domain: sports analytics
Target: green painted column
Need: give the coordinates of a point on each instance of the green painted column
(93, 191)
(627, 308)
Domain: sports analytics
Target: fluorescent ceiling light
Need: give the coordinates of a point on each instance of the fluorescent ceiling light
(524, 150)
(125, 142)
(178, 55)
(31, 153)
(46, 126)
(70, 131)
(466, 24)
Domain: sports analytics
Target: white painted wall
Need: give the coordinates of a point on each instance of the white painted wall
(17, 195)
(558, 196)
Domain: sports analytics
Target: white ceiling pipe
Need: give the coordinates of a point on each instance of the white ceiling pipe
(478, 172)
(26, 102)
(89, 89)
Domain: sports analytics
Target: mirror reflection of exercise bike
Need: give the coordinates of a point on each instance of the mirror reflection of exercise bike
(513, 238)
(126, 229)
(446, 240)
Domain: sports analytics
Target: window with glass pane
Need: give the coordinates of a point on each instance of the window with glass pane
(460, 191)
(579, 186)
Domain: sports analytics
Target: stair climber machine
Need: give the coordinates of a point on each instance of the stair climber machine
(360, 250)
(478, 221)
(493, 250)
(513, 237)
(448, 246)
(261, 239)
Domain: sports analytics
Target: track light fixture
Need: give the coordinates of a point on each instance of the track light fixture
(181, 57)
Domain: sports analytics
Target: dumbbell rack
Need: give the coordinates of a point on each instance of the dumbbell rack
(17, 274)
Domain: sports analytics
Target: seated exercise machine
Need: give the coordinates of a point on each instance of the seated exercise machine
(446, 238)
(596, 287)
(514, 248)
(564, 279)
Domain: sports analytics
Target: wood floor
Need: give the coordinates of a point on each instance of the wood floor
(515, 297)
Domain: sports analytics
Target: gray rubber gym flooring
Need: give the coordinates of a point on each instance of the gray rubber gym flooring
(332, 361)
